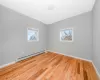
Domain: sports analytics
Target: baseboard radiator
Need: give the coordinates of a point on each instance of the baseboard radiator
(30, 55)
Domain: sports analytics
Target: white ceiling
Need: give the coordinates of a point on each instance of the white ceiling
(38, 9)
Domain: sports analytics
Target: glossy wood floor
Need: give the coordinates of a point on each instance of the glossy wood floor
(49, 66)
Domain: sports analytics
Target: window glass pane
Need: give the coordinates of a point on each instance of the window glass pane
(32, 34)
(66, 35)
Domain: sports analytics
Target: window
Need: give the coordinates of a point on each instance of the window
(32, 34)
(66, 35)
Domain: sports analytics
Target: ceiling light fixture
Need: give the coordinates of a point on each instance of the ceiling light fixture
(51, 7)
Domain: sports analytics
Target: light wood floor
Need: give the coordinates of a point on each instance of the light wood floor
(49, 66)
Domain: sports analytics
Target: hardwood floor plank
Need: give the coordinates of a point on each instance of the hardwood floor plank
(34, 70)
(18, 64)
(33, 62)
(49, 66)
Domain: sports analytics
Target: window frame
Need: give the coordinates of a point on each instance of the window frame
(67, 40)
(34, 29)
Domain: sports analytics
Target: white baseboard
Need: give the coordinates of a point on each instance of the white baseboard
(96, 69)
(77, 58)
(30, 55)
(4, 65)
(70, 55)
(25, 57)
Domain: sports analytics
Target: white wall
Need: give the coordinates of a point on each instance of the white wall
(82, 45)
(13, 35)
(96, 34)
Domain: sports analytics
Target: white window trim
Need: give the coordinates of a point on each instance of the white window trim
(37, 35)
(72, 35)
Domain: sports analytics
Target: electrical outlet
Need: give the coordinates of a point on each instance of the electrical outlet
(22, 52)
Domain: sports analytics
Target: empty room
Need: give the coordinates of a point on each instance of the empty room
(49, 39)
